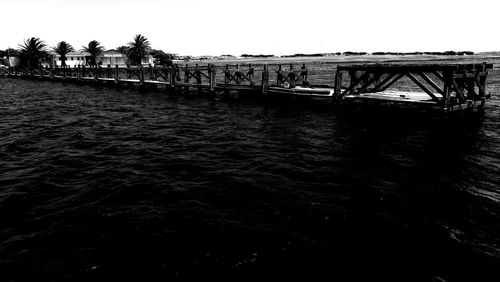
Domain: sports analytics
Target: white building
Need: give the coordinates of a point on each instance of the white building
(73, 59)
(113, 57)
(12, 61)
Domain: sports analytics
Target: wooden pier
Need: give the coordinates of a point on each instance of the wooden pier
(448, 87)
(443, 87)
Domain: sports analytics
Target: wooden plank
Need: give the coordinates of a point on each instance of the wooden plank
(396, 79)
(193, 85)
(458, 90)
(379, 84)
(338, 85)
(431, 82)
(395, 96)
(355, 82)
(130, 80)
(370, 82)
(482, 90)
(237, 87)
(265, 80)
(106, 79)
(410, 67)
(469, 75)
(419, 84)
(157, 82)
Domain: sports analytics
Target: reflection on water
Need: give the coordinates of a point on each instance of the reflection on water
(119, 184)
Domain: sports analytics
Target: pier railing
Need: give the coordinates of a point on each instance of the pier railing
(449, 86)
(173, 76)
(445, 86)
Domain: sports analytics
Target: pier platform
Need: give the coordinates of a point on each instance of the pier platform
(444, 87)
(448, 87)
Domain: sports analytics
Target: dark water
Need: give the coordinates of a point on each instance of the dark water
(97, 183)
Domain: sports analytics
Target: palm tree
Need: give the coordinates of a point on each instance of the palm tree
(138, 49)
(94, 49)
(63, 48)
(122, 49)
(32, 52)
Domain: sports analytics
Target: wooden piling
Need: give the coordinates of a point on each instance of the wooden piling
(186, 78)
(279, 77)
(173, 76)
(96, 74)
(197, 74)
(265, 80)
(250, 74)
(237, 74)
(226, 75)
(141, 76)
(304, 75)
(117, 75)
(291, 77)
(337, 96)
(212, 77)
(447, 76)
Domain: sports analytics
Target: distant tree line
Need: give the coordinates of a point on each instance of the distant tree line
(257, 56)
(303, 55)
(350, 53)
(34, 52)
(446, 53)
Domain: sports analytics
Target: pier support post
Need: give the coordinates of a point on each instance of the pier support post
(265, 80)
(128, 71)
(151, 71)
(303, 75)
(238, 74)
(96, 75)
(141, 76)
(198, 79)
(226, 75)
(84, 72)
(186, 78)
(352, 85)
(172, 74)
(447, 75)
(338, 87)
(51, 72)
(211, 75)
(116, 76)
(291, 77)
(78, 73)
(250, 74)
(279, 77)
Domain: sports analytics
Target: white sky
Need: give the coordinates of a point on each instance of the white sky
(201, 27)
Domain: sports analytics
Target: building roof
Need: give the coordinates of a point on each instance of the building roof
(113, 51)
(77, 53)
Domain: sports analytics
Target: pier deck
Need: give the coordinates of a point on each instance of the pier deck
(396, 96)
(446, 87)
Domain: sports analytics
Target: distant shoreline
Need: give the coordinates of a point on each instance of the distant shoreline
(476, 58)
(337, 54)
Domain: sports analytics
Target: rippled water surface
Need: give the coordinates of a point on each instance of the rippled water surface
(100, 183)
